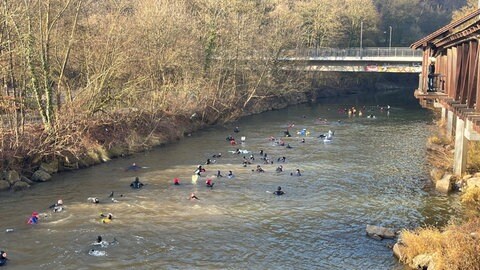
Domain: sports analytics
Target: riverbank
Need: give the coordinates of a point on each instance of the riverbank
(454, 246)
(81, 142)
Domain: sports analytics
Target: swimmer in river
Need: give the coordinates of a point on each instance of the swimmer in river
(199, 170)
(96, 253)
(3, 258)
(193, 197)
(106, 218)
(297, 173)
(230, 174)
(100, 242)
(209, 161)
(57, 207)
(93, 200)
(136, 184)
(33, 218)
(209, 183)
(176, 181)
(279, 169)
(279, 191)
(259, 169)
(133, 167)
(219, 174)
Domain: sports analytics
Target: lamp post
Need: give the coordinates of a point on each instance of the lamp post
(390, 39)
(361, 38)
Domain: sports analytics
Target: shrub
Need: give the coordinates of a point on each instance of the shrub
(471, 196)
(438, 140)
(454, 247)
(473, 157)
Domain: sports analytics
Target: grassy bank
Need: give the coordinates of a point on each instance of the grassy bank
(457, 245)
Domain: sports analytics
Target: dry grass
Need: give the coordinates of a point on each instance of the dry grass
(90, 140)
(473, 157)
(439, 140)
(471, 196)
(441, 123)
(454, 247)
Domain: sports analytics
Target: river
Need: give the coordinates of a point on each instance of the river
(373, 172)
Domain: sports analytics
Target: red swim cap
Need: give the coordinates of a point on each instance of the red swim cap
(35, 214)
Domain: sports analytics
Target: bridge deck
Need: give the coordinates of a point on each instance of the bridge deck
(397, 60)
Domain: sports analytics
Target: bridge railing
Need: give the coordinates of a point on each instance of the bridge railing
(354, 52)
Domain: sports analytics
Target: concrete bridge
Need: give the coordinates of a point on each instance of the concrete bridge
(450, 81)
(378, 59)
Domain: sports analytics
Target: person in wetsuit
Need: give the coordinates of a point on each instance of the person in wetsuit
(199, 170)
(209, 183)
(57, 207)
(136, 184)
(3, 258)
(193, 197)
(176, 181)
(93, 200)
(297, 173)
(106, 218)
(33, 219)
(133, 167)
(279, 191)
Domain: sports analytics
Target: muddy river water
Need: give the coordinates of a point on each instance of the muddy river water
(374, 171)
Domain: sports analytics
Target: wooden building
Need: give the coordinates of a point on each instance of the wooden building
(449, 80)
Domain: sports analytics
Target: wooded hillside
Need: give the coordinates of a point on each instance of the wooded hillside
(68, 62)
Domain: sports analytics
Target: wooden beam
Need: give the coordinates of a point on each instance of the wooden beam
(455, 68)
(477, 101)
(458, 72)
(449, 69)
(472, 84)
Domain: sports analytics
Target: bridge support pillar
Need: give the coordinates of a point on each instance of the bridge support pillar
(444, 114)
(470, 133)
(461, 148)
(420, 83)
(449, 124)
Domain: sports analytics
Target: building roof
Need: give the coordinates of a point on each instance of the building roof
(446, 31)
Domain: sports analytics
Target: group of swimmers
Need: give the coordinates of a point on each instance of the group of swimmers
(245, 161)
(353, 111)
(136, 184)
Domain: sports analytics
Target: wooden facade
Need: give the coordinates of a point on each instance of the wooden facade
(454, 50)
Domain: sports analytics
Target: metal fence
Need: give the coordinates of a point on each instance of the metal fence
(354, 52)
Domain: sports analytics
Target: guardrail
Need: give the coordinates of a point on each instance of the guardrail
(353, 52)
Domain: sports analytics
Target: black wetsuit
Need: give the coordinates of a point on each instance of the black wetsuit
(136, 184)
(3, 260)
(278, 192)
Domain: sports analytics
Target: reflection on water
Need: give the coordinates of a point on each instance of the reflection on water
(373, 172)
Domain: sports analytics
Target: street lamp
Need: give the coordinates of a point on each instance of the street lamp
(361, 38)
(390, 39)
